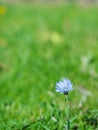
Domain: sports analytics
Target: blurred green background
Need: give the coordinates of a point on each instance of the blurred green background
(40, 43)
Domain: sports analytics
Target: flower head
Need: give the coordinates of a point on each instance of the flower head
(64, 86)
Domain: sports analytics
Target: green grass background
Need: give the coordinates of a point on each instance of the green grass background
(39, 45)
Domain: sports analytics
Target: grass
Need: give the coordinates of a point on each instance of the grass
(39, 45)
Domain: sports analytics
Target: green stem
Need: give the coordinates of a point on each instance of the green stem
(68, 111)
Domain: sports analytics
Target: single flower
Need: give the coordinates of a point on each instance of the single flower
(64, 86)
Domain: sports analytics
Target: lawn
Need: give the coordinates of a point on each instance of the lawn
(39, 45)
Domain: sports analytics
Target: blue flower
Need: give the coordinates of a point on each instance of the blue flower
(64, 86)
